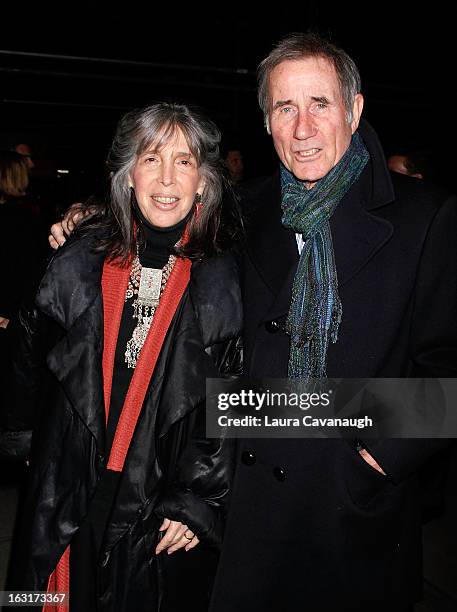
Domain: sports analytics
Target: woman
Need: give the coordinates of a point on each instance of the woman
(18, 272)
(14, 180)
(134, 313)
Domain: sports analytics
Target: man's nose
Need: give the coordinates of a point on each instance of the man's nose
(305, 126)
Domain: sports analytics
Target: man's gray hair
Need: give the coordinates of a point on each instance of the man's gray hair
(299, 46)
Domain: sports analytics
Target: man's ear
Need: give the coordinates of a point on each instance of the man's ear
(357, 109)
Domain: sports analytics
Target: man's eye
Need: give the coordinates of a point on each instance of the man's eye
(286, 109)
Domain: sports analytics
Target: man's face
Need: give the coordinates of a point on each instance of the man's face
(308, 120)
(234, 163)
(26, 152)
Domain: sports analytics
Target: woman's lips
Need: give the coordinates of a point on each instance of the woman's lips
(165, 202)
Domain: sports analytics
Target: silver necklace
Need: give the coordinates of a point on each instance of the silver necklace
(147, 284)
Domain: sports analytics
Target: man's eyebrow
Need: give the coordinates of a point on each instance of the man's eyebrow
(280, 103)
(320, 99)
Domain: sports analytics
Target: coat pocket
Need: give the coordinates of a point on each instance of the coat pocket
(363, 482)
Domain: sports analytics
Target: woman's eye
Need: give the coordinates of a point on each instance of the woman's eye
(150, 159)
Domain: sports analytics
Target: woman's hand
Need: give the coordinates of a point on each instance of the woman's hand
(4, 322)
(176, 536)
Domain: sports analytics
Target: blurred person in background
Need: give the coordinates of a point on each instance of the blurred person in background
(233, 160)
(20, 261)
(413, 163)
(25, 150)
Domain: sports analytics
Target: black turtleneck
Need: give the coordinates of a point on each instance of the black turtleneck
(157, 242)
(156, 245)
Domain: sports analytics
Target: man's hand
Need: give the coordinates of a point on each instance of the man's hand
(176, 536)
(4, 322)
(369, 459)
(63, 228)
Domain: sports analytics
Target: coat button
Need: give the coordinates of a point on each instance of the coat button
(279, 474)
(248, 458)
(272, 326)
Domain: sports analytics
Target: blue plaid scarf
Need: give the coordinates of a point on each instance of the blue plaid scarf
(315, 309)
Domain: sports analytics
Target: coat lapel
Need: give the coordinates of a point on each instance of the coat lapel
(358, 233)
(70, 294)
(271, 248)
(213, 288)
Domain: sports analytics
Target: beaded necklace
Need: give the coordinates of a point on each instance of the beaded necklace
(147, 284)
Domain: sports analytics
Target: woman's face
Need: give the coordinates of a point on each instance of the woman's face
(166, 181)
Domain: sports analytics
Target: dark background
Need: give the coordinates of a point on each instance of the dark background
(68, 75)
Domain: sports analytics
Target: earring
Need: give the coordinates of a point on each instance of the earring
(198, 204)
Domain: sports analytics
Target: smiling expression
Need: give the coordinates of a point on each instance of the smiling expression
(166, 181)
(308, 119)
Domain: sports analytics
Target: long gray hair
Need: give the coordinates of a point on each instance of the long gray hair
(299, 46)
(153, 127)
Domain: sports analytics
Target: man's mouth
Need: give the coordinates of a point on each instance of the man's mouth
(307, 152)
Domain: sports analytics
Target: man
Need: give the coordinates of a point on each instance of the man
(330, 525)
(233, 161)
(26, 152)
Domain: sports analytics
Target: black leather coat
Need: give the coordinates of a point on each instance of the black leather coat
(170, 469)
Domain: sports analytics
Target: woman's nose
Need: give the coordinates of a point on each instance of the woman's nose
(167, 175)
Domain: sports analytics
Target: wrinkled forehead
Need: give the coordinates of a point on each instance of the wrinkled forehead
(169, 134)
(314, 74)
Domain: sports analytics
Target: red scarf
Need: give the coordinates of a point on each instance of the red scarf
(114, 285)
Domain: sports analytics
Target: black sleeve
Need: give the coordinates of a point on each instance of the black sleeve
(28, 333)
(433, 337)
(200, 492)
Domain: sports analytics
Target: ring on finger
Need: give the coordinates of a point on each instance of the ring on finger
(187, 537)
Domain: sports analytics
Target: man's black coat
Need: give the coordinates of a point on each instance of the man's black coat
(326, 531)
